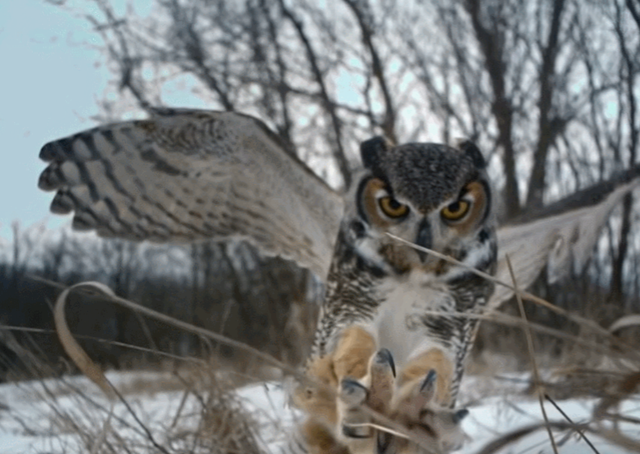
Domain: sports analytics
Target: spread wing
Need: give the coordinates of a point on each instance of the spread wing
(189, 175)
(562, 239)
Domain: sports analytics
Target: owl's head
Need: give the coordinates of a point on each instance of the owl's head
(433, 195)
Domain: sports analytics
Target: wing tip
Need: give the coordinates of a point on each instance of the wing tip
(62, 203)
(52, 151)
(50, 178)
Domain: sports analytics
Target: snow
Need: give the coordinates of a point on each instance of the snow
(35, 416)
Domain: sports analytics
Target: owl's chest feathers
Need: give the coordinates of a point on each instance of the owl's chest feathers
(407, 304)
(394, 308)
(398, 305)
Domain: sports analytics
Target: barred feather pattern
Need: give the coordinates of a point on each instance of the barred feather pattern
(190, 175)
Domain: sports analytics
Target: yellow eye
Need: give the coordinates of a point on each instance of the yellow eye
(392, 208)
(456, 210)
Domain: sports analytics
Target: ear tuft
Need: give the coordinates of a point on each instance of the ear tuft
(372, 149)
(472, 150)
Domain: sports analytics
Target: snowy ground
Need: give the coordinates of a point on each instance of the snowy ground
(30, 424)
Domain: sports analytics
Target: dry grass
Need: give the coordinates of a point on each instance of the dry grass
(209, 417)
(197, 411)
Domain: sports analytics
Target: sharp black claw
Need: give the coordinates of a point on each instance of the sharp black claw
(352, 390)
(384, 356)
(356, 432)
(382, 442)
(460, 415)
(428, 380)
(349, 384)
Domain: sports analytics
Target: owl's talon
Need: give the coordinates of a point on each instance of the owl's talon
(432, 425)
(416, 407)
(459, 415)
(375, 391)
(353, 395)
(352, 392)
(384, 358)
(383, 440)
(429, 382)
(358, 432)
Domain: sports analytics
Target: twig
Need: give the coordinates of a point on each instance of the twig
(382, 429)
(81, 359)
(104, 431)
(104, 291)
(73, 349)
(106, 341)
(178, 414)
(532, 354)
(511, 437)
(629, 385)
(509, 320)
(584, 437)
(523, 294)
(146, 430)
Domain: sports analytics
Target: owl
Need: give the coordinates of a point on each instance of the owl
(189, 175)
(437, 197)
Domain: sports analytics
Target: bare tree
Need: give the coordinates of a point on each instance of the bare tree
(626, 22)
(547, 88)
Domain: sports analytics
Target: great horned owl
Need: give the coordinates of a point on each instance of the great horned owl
(432, 195)
(189, 175)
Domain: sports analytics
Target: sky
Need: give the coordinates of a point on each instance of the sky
(52, 76)
(50, 82)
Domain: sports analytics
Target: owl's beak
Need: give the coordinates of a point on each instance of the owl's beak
(424, 239)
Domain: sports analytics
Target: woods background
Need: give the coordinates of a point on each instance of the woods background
(548, 90)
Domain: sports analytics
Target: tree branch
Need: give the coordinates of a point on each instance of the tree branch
(338, 153)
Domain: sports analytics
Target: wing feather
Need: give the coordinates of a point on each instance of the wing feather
(559, 242)
(189, 175)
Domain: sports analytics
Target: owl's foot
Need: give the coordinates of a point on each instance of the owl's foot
(356, 399)
(431, 428)
(414, 401)
(354, 419)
